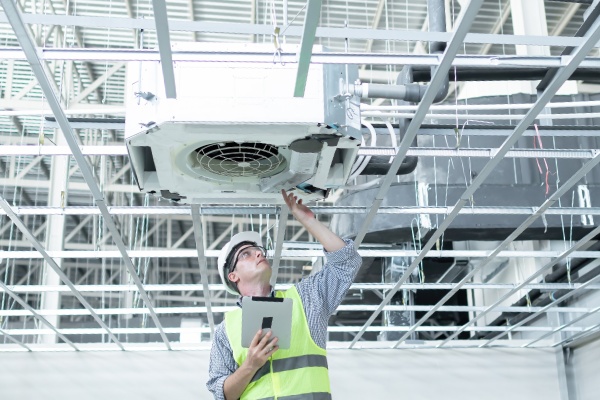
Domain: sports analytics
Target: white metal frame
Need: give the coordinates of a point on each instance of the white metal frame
(212, 299)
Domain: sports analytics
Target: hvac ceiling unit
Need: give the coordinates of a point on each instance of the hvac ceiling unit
(235, 133)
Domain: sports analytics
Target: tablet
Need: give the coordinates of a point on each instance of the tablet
(269, 314)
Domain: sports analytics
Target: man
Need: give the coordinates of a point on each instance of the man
(263, 371)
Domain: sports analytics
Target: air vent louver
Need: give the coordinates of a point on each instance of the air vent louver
(232, 159)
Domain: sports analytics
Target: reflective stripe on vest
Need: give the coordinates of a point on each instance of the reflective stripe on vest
(299, 372)
(307, 396)
(288, 364)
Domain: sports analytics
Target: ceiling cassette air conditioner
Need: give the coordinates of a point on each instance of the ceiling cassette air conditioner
(235, 133)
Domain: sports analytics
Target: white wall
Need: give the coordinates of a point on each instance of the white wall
(356, 374)
(584, 370)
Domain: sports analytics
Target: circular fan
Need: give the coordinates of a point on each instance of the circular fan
(234, 159)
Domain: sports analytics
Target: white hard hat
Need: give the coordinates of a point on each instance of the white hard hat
(241, 237)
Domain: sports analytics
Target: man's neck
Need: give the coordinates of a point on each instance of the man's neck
(259, 290)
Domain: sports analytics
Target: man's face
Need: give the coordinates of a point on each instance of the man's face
(250, 264)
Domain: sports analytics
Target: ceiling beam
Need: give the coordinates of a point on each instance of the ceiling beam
(164, 46)
(292, 31)
(311, 20)
(93, 86)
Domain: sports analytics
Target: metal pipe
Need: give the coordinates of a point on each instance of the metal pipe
(405, 89)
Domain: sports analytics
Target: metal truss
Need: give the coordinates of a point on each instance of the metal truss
(223, 309)
(577, 56)
(184, 211)
(59, 272)
(285, 253)
(30, 311)
(370, 151)
(535, 275)
(101, 55)
(86, 251)
(30, 50)
(14, 340)
(260, 29)
(551, 200)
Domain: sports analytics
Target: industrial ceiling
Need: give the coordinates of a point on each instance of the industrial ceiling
(90, 263)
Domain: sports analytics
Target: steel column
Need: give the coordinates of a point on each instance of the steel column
(199, 238)
(281, 228)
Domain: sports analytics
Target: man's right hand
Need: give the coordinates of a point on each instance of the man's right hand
(261, 348)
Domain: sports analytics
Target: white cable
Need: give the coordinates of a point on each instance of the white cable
(367, 158)
(359, 159)
(361, 186)
(392, 137)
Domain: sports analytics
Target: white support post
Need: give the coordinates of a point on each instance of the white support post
(55, 233)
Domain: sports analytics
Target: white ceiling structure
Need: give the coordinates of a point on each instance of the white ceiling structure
(88, 262)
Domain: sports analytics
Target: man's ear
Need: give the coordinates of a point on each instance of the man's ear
(233, 277)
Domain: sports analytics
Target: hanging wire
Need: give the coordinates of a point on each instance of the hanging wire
(539, 139)
(570, 238)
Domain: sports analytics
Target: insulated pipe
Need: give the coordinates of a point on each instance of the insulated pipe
(573, 1)
(437, 23)
(380, 165)
(436, 13)
(398, 92)
(405, 89)
(464, 74)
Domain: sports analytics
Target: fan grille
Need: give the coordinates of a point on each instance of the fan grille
(245, 159)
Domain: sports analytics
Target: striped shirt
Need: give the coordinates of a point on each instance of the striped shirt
(320, 293)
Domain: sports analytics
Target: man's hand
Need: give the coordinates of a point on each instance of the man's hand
(303, 214)
(299, 210)
(260, 350)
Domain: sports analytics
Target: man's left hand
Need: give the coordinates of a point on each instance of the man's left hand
(299, 210)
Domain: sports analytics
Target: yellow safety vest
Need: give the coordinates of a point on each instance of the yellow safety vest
(297, 373)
